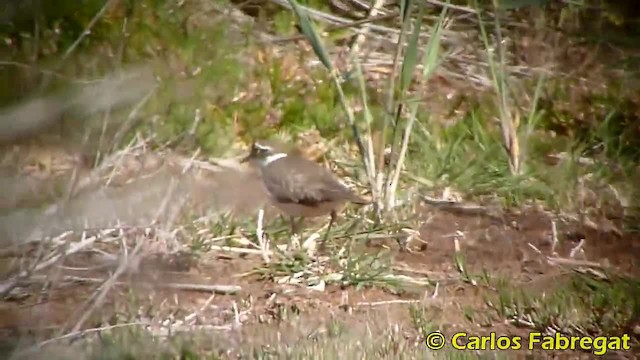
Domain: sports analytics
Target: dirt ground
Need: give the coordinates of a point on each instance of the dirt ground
(498, 248)
(517, 246)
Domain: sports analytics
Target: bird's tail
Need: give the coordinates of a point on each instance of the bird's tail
(356, 199)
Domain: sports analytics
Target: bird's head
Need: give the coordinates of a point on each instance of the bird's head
(264, 152)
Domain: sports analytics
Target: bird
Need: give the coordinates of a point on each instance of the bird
(300, 187)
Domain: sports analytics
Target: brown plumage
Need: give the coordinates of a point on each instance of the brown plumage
(300, 187)
(294, 179)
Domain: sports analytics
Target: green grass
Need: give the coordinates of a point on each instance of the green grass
(346, 266)
(579, 304)
(295, 341)
(199, 67)
(469, 155)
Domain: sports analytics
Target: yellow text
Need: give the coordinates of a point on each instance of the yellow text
(597, 345)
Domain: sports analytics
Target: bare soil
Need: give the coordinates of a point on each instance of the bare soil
(505, 251)
(517, 246)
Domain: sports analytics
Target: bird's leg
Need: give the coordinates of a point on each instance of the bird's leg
(294, 231)
(326, 235)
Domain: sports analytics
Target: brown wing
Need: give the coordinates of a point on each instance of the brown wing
(301, 181)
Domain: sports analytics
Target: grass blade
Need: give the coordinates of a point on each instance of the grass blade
(411, 55)
(307, 29)
(393, 111)
(370, 158)
(405, 7)
(509, 121)
(431, 62)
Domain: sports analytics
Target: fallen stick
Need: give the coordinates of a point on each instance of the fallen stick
(218, 289)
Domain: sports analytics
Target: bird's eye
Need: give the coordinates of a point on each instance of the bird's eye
(262, 149)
